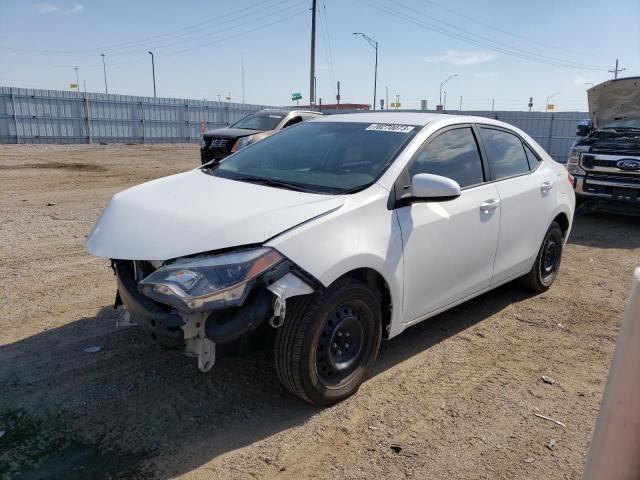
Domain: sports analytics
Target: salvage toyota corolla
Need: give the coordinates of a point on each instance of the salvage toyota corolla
(336, 233)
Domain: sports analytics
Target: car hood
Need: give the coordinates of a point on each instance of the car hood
(194, 212)
(614, 100)
(230, 132)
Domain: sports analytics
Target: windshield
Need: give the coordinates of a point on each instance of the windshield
(320, 157)
(260, 121)
(621, 124)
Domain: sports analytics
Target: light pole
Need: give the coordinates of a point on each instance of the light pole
(104, 68)
(374, 44)
(546, 107)
(77, 81)
(442, 84)
(153, 70)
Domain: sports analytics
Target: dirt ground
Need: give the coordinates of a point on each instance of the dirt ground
(454, 397)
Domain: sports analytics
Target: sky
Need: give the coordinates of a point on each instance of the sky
(502, 51)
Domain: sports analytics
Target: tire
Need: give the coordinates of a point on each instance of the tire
(545, 268)
(313, 357)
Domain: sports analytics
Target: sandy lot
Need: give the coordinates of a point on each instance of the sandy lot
(458, 393)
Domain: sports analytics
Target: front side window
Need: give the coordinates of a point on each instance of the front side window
(320, 157)
(453, 154)
(505, 153)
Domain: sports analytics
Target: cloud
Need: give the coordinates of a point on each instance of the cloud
(54, 9)
(485, 74)
(461, 59)
(45, 8)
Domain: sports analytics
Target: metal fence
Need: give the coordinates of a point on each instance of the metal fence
(54, 116)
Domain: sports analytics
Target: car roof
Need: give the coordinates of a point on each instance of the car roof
(411, 118)
(402, 118)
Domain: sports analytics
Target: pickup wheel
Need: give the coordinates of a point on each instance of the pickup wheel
(329, 342)
(545, 268)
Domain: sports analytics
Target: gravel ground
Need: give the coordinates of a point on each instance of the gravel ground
(454, 397)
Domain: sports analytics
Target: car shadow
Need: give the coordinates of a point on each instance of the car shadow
(604, 230)
(125, 410)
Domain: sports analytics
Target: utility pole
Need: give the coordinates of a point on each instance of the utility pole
(616, 70)
(338, 97)
(153, 71)
(77, 81)
(493, 103)
(460, 107)
(530, 104)
(312, 74)
(104, 68)
(374, 44)
(386, 88)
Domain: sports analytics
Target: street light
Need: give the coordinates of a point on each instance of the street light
(104, 68)
(442, 84)
(153, 70)
(374, 44)
(546, 107)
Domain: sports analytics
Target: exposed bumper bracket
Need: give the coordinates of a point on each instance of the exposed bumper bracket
(196, 342)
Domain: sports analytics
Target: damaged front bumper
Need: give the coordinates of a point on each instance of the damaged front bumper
(196, 331)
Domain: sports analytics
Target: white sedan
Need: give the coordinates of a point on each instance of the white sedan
(334, 234)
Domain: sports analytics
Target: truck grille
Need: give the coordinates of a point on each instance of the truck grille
(607, 164)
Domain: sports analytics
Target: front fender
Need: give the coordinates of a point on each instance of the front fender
(361, 234)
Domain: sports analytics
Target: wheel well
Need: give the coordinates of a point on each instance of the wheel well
(562, 220)
(377, 283)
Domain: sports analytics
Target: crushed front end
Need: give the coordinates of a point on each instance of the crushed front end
(191, 304)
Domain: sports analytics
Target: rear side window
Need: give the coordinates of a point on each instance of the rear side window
(453, 154)
(534, 160)
(506, 153)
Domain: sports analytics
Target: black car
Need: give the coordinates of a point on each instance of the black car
(222, 142)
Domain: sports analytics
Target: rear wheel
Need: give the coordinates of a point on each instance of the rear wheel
(329, 342)
(545, 268)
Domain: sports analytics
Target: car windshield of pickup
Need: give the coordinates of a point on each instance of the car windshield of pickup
(260, 121)
(319, 157)
(632, 123)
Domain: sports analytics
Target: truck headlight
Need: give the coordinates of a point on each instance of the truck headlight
(208, 282)
(573, 163)
(242, 142)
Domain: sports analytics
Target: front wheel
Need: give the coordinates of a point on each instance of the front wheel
(545, 268)
(329, 342)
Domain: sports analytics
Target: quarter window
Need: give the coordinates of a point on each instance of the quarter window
(453, 154)
(506, 153)
(532, 157)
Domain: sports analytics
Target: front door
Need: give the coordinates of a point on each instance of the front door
(449, 246)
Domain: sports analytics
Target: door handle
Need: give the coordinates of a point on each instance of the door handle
(546, 187)
(489, 205)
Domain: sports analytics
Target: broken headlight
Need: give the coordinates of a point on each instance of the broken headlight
(208, 282)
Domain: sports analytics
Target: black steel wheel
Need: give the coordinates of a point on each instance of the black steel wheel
(545, 268)
(329, 342)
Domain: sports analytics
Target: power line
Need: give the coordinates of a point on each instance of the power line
(493, 27)
(500, 44)
(145, 41)
(473, 41)
(327, 46)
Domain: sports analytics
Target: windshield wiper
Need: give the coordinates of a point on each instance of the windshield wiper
(275, 183)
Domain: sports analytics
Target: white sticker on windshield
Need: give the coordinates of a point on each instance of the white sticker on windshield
(388, 127)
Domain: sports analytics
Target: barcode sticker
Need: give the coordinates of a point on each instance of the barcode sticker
(388, 127)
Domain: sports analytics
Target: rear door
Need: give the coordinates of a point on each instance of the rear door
(527, 200)
(449, 246)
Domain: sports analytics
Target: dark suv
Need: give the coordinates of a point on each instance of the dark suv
(605, 160)
(222, 142)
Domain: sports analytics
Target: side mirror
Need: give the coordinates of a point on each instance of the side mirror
(426, 186)
(583, 128)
